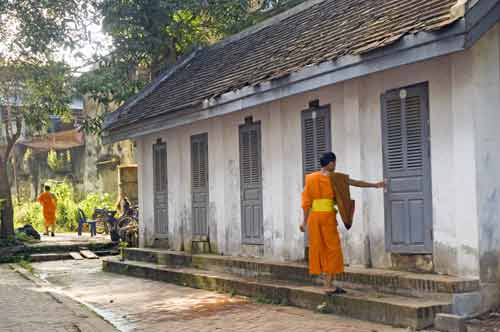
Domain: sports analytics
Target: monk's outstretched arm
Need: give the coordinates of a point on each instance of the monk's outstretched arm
(363, 184)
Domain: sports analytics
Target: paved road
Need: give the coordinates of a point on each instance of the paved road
(24, 307)
(134, 304)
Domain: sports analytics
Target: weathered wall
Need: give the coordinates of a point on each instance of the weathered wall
(484, 94)
(103, 177)
(463, 99)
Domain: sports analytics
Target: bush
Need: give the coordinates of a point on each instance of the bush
(67, 208)
(66, 215)
(93, 201)
(28, 213)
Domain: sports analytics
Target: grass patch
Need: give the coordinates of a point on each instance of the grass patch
(26, 265)
(23, 237)
(266, 300)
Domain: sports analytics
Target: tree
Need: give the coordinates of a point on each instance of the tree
(150, 36)
(34, 85)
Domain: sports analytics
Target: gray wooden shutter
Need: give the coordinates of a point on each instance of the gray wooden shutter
(251, 183)
(316, 137)
(408, 200)
(199, 184)
(316, 140)
(160, 183)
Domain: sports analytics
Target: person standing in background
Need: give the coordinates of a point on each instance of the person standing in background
(49, 205)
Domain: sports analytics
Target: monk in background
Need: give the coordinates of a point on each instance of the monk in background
(49, 205)
(319, 203)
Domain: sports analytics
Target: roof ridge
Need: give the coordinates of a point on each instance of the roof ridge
(266, 23)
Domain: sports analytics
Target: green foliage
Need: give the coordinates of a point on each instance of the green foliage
(67, 208)
(150, 36)
(28, 213)
(26, 265)
(66, 215)
(58, 161)
(94, 200)
(33, 29)
(32, 35)
(23, 237)
(187, 29)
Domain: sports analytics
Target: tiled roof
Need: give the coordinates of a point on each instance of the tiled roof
(323, 31)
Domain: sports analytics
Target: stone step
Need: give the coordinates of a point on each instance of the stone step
(43, 250)
(57, 256)
(393, 310)
(387, 281)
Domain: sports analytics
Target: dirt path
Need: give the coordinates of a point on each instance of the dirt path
(134, 304)
(26, 307)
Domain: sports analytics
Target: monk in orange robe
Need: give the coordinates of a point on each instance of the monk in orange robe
(49, 205)
(318, 202)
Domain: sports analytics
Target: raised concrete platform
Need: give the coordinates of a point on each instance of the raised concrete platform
(55, 248)
(58, 256)
(417, 313)
(391, 297)
(387, 281)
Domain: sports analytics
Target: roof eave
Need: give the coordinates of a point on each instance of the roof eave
(409, 49)
(480, 18)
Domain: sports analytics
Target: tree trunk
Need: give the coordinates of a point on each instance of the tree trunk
(14, 174)
(7, 227)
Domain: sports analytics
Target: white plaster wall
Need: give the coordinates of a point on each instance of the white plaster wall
(484, 91)
(461, 186)
(145, 185)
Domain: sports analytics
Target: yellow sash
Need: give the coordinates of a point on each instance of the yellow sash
(323, 205)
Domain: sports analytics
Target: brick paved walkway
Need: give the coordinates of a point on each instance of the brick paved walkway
(134, 304)
(24, 307)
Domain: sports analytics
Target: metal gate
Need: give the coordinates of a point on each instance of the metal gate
(160, 181)
(406, 145)
(199, 185)
(251, 183)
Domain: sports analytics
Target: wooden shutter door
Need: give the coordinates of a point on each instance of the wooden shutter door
(251, 183)
(199, 185)
(160, 181)
(316, 137)
(316, 140)
(406, 144)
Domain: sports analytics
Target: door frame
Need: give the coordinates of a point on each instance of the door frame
(428, 247)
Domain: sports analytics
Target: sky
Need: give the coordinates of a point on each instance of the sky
(99, 44)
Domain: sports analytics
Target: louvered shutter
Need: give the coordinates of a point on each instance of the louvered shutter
(316, 137)
(160, 185)
(251, 183)
(199, 184)
(406, 144)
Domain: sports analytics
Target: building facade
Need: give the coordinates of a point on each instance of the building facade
(226, 175)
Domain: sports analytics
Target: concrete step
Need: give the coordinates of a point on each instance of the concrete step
(394, 310)
(57, 256)
(387, 281)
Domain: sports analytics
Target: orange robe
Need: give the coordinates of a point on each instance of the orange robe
(49, 205)
(325, 250)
